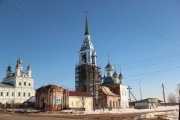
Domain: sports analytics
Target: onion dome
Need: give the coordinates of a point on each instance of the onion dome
(120, 76)
(9, 68)
(28, 67)
(115, 75)
(109, 67)
(19, 60)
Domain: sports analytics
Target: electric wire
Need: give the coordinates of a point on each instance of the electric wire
(138, 22)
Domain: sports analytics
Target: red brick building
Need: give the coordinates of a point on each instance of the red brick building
(51, 98)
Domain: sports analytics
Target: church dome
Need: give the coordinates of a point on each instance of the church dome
(115, 75)
(9, 68)
(120, 76)
(108, 80)
(109, 67)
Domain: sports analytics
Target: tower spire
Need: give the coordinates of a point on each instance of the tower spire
(86, 25)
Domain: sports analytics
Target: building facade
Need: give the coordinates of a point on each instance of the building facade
(108, 99)
(115, 83)
(17, 87)
(87, 72)
(148, 103)
(51, 98)
(80, 101)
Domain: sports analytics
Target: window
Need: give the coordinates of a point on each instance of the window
(19, 83)
(1, 93)
(7, 94)
(29, 84)
(19, 94)
(24, 83)
(108, 74)
(110, 104)
(72, 103)
(77, 103)
(12, 94)
(29, 94)
(24, 94)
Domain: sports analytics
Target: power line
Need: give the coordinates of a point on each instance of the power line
(138, 22)
(153, 72)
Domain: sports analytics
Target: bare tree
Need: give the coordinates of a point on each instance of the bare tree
(178, 87)
(171, 98)
(178, 91)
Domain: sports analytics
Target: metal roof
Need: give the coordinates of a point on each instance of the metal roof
(74, 93)
(108, 80)
(107, 91)
(6, 85)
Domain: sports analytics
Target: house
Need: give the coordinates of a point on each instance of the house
(149, 103)
(80, 101)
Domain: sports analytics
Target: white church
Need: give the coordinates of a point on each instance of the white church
(17, 87)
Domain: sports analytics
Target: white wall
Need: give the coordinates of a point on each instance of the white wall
(124, 96)
(78, 101)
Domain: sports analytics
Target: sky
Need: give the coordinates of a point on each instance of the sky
(140, 37)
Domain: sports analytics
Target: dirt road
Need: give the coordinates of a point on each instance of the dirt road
(15, 116)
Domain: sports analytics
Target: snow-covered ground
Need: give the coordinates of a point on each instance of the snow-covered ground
(132, 110)
(171, 115)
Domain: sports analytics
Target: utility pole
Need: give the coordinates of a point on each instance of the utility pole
(129, 88)
(140, 89)
(93, 68)
(164, 95)
(179, 104)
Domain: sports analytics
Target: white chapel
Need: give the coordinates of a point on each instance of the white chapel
(17, 87)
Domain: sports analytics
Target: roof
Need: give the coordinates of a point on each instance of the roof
(148, 100)
(120, 76)
(74, 93)
(50, 87)
(115, 74)
(108, 80)
(31, 100)
(6, 85)
(86, 26)
(109, 66)
(107, 91)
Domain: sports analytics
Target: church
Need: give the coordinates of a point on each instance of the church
(108, 91)
(114, 83)
(17, 87)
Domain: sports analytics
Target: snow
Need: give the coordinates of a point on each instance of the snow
(157, 112)
(169, 112)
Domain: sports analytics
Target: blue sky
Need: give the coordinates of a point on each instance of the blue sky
(141, 36)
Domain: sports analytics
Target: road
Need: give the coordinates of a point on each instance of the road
(17, 116)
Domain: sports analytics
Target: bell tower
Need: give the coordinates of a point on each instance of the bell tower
(87, 48)
(87, 70)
